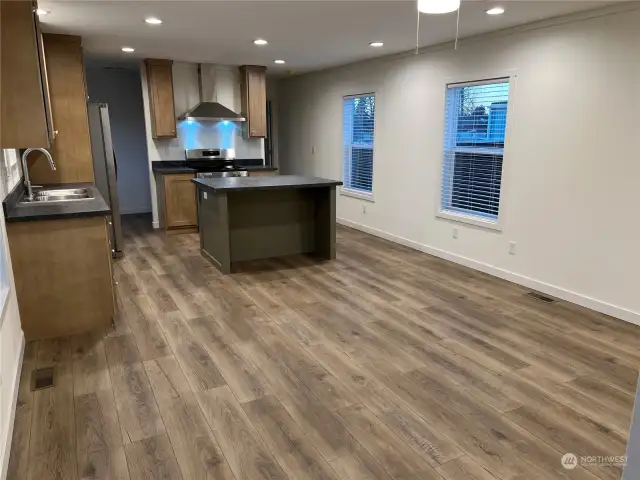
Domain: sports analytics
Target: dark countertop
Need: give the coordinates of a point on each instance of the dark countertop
(275, 182)
(14, 211)
(167, 167)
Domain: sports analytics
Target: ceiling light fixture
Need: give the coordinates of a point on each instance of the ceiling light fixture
(260, 41)
(376, 44)
(495, 11)
(438, 6)
(279, 62)
(42, 11)
(128, 49)
(153, 21)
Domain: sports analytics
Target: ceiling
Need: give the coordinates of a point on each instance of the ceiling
(307, 34)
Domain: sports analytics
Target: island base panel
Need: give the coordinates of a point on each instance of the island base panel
(248, 225)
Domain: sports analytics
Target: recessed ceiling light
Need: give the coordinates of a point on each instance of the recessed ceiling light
(376, 44)
(153, 20)
(279, 62)
(128, 49)
(42, 11)
(495, 11)
(260, 41)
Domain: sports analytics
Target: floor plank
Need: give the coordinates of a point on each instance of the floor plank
(291, 447)
(137, 409)
(242, 446)
(195, 447)
(53, 443)
(199, 368)
(152, 459)
(19, 457)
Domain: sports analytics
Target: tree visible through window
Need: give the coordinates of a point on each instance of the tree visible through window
(358, 122)
(475, 129)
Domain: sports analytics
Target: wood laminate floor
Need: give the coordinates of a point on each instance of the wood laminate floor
(384, 364)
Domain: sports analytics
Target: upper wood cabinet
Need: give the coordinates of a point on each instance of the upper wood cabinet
(71, 148)
(253, 90)
(25, 109)
(160, 83)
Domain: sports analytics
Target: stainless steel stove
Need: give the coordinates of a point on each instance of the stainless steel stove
(214, 163)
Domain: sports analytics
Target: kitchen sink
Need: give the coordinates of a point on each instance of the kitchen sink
(62, 192)
(59, 195)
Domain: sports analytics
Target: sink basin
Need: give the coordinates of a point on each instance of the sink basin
(62, 192)
(59, 195)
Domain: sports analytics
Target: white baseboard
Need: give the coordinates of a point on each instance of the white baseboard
(155, 224)
(4, 461)
(553, 290)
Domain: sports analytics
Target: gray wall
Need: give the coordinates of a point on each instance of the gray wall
(120, 88)
(632, 472)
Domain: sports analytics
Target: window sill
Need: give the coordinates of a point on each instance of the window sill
(471, 220)
(357, 194)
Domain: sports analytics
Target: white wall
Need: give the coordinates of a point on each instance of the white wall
(571, 174)
(221, 84)
(11, 337)
(120, 89)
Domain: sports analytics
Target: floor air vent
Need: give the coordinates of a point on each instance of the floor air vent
(541, 297)
(41, 379)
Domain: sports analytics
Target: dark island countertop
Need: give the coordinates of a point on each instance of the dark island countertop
(167, 167)
(14, 211)
(234, 184)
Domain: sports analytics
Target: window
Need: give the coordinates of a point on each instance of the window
(358, 115)
(475, 128)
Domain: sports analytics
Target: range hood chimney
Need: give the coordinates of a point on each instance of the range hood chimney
(209, 111)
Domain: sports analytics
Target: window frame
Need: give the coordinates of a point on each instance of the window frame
(345, 190)
(462, 216)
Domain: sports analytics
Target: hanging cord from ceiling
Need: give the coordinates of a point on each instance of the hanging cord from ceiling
(418, 32)
(455, 45)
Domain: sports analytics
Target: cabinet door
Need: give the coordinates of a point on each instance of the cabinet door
(23, 113)
(160, 82)
(180, 208)
(71, 148)
(254, 100)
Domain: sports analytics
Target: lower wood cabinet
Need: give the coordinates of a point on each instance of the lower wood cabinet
(63, 276)
(177, 209)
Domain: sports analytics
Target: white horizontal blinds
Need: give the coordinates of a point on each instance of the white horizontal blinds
(358, 115)
(475, 127)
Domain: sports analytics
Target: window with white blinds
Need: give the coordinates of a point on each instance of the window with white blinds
(474, 138)
(358, 123)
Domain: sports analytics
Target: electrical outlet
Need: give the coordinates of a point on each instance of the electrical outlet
(313, 149)
(455, 232)
(204, 195)
(364, 209)
(512, 248)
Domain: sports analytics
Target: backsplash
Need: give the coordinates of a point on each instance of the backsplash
(192, 134)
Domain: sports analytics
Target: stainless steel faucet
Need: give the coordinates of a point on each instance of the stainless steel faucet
(25, 168)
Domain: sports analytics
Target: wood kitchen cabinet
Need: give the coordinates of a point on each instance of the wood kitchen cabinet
(25, 113)
(177, 209)
(71, 147)
(253, 93)
(160, 84)
(63, 276)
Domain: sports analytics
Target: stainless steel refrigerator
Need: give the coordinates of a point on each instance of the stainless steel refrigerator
(106, 170)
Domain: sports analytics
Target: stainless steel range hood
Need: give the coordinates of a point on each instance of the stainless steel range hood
(209, 111)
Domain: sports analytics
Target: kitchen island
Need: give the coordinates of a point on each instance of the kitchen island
(248, 218)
